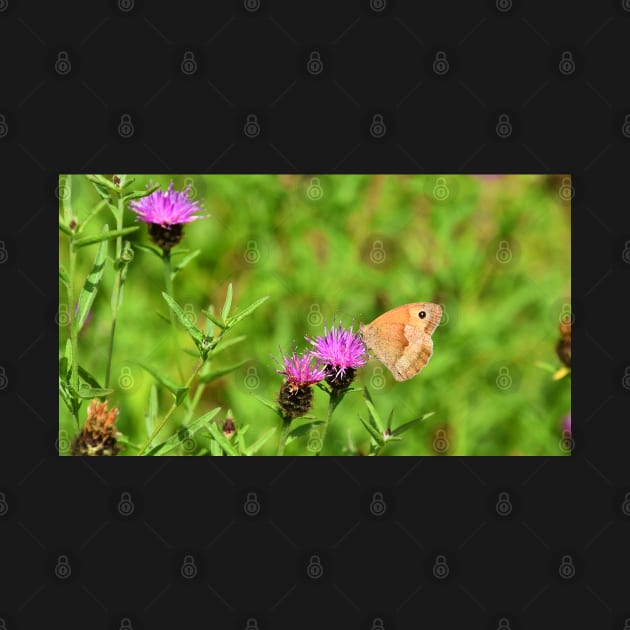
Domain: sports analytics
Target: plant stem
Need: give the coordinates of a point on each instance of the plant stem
(116, 291)
(73, 332)
(284, 434)
(334, 400)
(174, 406)
(168, 283)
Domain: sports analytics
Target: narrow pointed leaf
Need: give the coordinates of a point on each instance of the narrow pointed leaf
(163, 380)
(67, 202)
(151, 416)
(64, 228)
(97, 238)
(93, 392)
(252, 449)
(149, 249)
(303, 429)
(407, 425)
(223, 442)
(226, 344)
(248, 310)
(228, 303)
(193, 331)
(99, 206)
(184, 262)
(190, 429)
(374, 416)
(376, 436)
(138, 194)
(88, 378)
(268, 403)
(210, 315)
(90, 288)
(214, 374)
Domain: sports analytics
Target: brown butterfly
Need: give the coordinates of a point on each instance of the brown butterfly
(401, 338)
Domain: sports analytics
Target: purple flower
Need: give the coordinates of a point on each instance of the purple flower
(340, 350)
(300, 371)
(167, 208)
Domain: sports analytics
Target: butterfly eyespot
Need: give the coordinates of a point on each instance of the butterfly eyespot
(422, 314)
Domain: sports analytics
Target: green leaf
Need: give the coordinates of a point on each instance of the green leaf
(165, 381)
(376, 436)
(253, 448)
(90, 288)
(67, 210)
(151, 416)
(248, 310)
(303, 429)
(99, 206)
(228, 303)
(268, 403)
(407, 425)
(214, 374)
(210, 315)
(88, 378)
(94, 392)
(68, 355)
(149, 249)
(193, 331)
(63, 276)
(89, 240)
(138, 194)
(190, 429)
(226, 344)
(215, 449)
(389, 420)
(375, 417)
(101, 180)
(65, 229)
(184, 262)
(223, 442)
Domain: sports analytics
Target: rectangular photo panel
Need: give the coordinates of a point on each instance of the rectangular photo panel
(395, 315)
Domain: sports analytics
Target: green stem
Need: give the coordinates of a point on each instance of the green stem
(168, 283)
(73, 332)
(333, 401)
(174, 406)
(115, 291)
(284, 434)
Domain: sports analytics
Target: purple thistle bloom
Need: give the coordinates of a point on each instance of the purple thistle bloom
(167, 208)
(340, 350)
(566, 423)
(300, 370)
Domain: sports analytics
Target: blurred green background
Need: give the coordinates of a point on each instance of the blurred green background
(493, 250)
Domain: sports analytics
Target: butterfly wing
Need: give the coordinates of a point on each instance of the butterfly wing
(401, 340)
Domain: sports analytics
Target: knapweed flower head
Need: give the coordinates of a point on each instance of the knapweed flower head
(296, 394)
(342, 352)
(99, 434)
(165, 212)
(566, 423)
